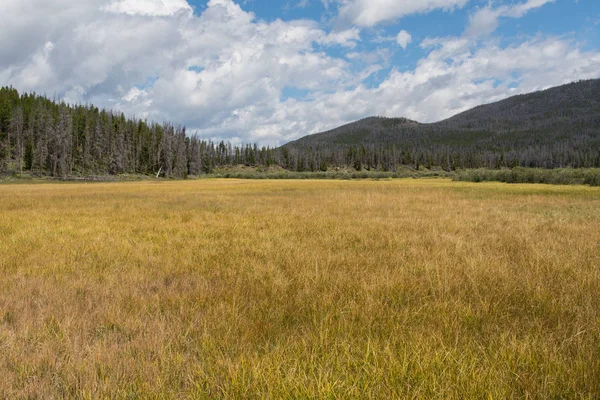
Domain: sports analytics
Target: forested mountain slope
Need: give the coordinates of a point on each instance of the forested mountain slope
(553, 128)
(568, 104)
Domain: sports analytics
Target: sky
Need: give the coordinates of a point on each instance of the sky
(269, 71)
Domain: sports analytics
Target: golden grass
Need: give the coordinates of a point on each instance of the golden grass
(299, 289)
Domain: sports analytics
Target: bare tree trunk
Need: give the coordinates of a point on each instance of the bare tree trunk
(21, 158)
(18, 129)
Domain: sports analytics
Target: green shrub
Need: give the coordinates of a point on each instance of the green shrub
(592, 178)
(562, 176)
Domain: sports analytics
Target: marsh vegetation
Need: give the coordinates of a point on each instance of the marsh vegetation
(299, 289)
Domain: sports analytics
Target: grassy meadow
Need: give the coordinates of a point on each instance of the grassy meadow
(237, 289)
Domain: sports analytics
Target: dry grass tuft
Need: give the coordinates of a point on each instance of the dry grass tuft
(299, 289)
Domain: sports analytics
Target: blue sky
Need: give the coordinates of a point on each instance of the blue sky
(271, 71)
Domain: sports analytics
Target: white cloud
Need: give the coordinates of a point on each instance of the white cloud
(379, 55)
(454, 77)
(485, 20)
(147, 7)
(403, 39)
(35, 22)
(369, 13)
(133, 94)
(346, 38)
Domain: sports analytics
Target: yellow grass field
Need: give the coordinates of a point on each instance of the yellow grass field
(299, 289)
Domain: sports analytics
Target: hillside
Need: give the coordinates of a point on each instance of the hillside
(551, 128)
(368, 130)
(563, 105)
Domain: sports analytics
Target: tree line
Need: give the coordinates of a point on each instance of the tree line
(44, 137)
(48, 138)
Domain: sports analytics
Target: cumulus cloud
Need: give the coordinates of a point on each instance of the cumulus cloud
(147, 7)
(403, 39)
(485, 20)
(369, 13)
(346, 38)
(453, 78)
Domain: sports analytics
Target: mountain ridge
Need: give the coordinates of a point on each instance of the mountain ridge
(520, 112)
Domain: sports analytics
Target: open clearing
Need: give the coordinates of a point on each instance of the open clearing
(299, 289)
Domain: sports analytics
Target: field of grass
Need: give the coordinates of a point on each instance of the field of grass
(299, 289)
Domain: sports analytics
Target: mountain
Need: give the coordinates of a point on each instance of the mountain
(563, 105)
(551, 128)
